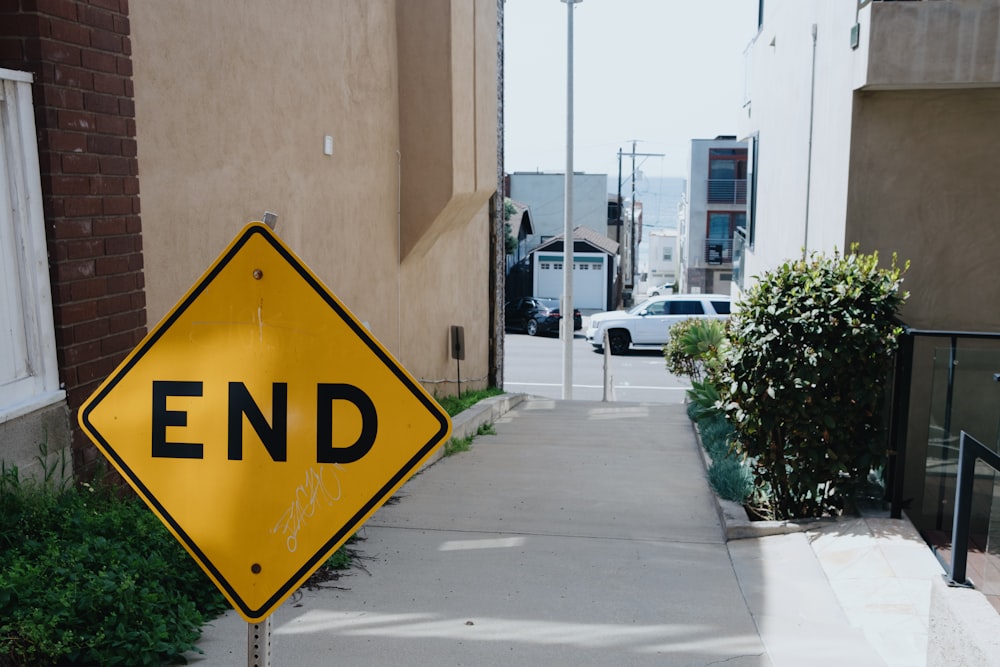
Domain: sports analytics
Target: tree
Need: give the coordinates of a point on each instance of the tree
(510, 243)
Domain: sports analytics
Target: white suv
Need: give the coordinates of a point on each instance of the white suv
(647, 324)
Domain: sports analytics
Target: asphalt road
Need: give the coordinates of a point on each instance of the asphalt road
(534, 365)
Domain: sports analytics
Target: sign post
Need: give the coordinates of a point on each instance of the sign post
(262, 422)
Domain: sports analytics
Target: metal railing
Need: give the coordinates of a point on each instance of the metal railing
(900, 408)
(718, 251)
(970, 451)
(727, 191)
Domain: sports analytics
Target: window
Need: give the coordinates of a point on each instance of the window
(722, 307)
(557, 266)
(668, 254)
(719, 233)
(29, 377)
(614, 213)
(545, 266)
(658, 308)
(752, 178)
(727, 175)
(686, 308)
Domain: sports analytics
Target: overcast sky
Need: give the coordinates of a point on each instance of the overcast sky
(662, 72)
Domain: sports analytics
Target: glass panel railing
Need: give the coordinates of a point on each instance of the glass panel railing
(986, 575)
(969, 559)
(964, 397)
(739, 247)
(946, 403)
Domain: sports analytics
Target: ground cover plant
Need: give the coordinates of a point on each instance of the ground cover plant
(89, 576)
(728, 473)
(695, 351)
(805, 378)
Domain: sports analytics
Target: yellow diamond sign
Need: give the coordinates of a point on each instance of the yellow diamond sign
(262, 422)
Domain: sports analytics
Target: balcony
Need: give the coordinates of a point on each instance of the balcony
(727, 191)
(718, 251)
(919, 45)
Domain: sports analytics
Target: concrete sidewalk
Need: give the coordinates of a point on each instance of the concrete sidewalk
(580, 534)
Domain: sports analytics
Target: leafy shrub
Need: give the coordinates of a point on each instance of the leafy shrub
(805, 377)
(91, 578)
(703, 398)
(694, 346)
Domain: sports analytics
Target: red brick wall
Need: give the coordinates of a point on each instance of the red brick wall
(80, 54)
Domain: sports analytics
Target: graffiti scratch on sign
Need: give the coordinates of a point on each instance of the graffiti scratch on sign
(318, 488)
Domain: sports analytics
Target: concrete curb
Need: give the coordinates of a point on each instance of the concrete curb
(735, 523)
(468, 422)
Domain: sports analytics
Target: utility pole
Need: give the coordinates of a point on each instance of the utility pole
(631, 245)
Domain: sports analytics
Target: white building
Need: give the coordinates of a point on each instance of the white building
(662, 257)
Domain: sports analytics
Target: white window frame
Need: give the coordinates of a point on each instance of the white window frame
(29, 374)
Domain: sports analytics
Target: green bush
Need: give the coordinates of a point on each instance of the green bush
(805, 377)
(91, 578)
(703, 398)
(694, 346)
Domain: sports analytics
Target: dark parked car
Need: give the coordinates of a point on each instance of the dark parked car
(535, 315)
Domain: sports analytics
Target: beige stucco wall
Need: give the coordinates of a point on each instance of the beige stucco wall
(921, 186)
(233, 101)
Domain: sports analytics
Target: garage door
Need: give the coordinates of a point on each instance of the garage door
(588, 278)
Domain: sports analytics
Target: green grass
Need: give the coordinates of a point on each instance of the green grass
(456, 404)
(453, 405)
(456, 445)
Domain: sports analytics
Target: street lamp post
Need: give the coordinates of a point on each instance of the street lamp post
(566, 307)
